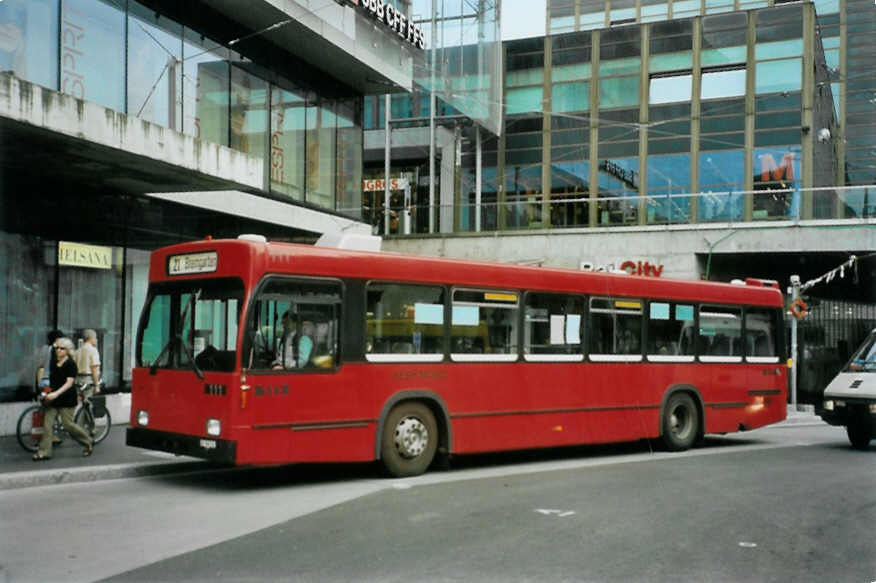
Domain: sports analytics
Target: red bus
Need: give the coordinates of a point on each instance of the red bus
(253, 353)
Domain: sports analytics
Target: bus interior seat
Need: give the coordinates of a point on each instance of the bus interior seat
(720, 346)
(762, 346)
(402, 348)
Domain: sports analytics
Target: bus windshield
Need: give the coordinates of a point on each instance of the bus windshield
(191, 324)
(865, 358)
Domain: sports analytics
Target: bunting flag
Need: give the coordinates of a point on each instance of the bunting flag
(851, 265)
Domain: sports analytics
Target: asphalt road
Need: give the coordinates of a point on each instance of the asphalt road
(777, 504)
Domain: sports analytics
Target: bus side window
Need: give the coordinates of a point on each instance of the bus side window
(760, 332)
(484, 322)
(553, 324)
(616, 327)
(720, 331)
(670, 329)
(403, 320)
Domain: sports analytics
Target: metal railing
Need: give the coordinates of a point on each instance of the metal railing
(535, 211)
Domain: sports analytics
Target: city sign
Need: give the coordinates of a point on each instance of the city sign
(633, 267)
(641, 268)
(387, 14)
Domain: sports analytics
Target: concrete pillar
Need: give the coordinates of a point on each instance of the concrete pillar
(695, 116)
(594, 128)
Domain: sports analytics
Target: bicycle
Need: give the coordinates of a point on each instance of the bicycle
(90, 415)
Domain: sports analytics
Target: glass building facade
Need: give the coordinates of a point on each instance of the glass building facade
(636, 113)
(126, 57)
(74, 254)
(464, 56)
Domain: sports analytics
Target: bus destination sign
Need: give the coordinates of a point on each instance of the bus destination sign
(192, 263)
(386, 13)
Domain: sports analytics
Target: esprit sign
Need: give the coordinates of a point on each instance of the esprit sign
(79, 255)
(386, 13)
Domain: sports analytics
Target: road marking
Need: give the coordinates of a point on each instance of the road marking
(424, 517)
(401, 486)
(161, 454)
(558, 513)
(747, 545)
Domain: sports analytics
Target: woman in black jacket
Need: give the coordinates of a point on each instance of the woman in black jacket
(61, 400)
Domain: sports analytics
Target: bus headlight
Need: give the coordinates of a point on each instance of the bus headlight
(142, 418)
(213, 427)
(828, 405)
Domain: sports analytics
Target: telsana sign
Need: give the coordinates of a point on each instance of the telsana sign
(397, 21)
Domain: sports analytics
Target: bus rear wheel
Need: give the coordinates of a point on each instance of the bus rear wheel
(410, 440)
(680, 422)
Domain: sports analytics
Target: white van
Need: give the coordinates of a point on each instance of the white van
(850, 398)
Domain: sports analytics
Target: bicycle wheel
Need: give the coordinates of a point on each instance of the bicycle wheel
(29, 435)
(97, 427)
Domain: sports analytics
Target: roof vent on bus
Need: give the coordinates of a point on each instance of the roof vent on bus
(253, 238)
(737, 282)
(339, 240)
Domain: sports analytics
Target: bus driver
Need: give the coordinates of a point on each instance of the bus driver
(296, 347)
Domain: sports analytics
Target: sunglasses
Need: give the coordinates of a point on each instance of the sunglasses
(59, 348)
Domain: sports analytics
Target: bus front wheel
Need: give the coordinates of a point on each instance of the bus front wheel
(680, 422)
(410, 440)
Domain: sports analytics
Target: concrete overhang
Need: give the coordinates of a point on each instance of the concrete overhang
(55, 135)
(335, 39)
(266, 210)
(55, 144)
(407, 143)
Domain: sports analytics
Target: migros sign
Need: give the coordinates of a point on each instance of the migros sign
(386, 13)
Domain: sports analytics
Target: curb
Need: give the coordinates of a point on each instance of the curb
(800, 421)
(91, 474)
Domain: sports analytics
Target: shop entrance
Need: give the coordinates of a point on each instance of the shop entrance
(90, 295)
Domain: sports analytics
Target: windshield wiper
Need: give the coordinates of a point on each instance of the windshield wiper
(177, 337)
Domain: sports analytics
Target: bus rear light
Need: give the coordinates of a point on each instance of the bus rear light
(142, 418)
(757, 405)
(214, 427)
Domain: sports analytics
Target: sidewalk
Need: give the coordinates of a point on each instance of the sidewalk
(803, 415)
(111, 459)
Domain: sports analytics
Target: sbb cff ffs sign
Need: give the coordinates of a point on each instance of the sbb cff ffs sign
(385, 12)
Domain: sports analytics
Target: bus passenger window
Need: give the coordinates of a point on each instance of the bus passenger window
(670, 328)
(720, 331)
(484, 325)
(615, 329)
(404, 322)
(553, 327)
(761, 327)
